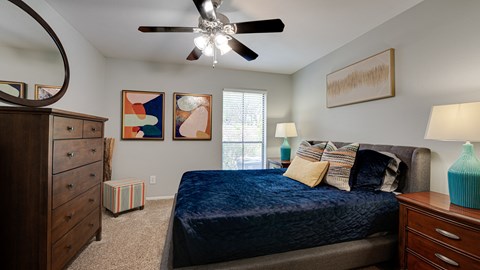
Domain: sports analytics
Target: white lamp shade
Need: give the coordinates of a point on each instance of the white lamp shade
(201, 42)
(455, 122)
(284, 130)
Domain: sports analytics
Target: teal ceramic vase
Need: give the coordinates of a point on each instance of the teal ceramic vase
(464, 179)
(285, 150)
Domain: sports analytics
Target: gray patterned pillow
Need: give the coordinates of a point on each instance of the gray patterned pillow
(311, 152)
(341, 163)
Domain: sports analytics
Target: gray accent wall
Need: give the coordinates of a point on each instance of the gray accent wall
(169, 159)
(437, 61)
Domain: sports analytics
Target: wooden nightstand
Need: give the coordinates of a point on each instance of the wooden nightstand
(274, 163)
(434, 234)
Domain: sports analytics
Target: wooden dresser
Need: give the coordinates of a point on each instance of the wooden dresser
(51, 172)
(435, 234)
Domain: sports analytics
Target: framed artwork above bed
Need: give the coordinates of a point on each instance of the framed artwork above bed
(143, 115)
(192, 116)
(369, 79)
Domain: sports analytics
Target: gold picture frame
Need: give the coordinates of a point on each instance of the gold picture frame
(143, 115)
(16, 89)
(369, 79)
(192, 116)
(45, 91)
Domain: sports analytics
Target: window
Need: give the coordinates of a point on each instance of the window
(244, 125)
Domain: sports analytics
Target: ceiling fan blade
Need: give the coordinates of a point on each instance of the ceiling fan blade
(206, 9)
(195, 54)
(264, 26)
(242, 50)
(154, 29)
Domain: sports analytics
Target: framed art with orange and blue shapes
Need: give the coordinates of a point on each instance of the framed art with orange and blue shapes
(143, 115)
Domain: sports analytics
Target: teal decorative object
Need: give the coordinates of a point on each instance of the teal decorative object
(285, 150)
(459, 122)
(285, 130)
(464, 179)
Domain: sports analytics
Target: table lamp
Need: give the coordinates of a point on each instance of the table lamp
(459, 122)
(285, 130)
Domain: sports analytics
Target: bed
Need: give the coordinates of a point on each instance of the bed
(255, 231)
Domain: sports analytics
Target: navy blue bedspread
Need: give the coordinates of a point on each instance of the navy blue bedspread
(227, 215)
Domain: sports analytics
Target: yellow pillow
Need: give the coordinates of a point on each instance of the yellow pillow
(307, 172)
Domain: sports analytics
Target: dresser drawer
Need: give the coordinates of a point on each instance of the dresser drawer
(446, 232)
(69, 214)
(69, 184)
(439, 254)
(69, 154)
(68, 245)
(92, 129)
(67, 128)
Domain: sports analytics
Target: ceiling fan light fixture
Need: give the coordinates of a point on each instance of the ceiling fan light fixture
(209, 49)
(220, 40)
(224, 49)
(201, 42)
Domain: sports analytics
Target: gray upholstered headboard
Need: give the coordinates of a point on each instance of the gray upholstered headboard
(417, 160)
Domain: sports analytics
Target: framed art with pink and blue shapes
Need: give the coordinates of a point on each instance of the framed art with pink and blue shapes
(143, 115)
(192, 116)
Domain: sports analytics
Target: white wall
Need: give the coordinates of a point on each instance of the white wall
(87, 66)
(437, 55)
(169, 159)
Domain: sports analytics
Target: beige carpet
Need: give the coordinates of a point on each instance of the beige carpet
(134, 241)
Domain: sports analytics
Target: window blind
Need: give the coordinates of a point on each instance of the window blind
(243, 129)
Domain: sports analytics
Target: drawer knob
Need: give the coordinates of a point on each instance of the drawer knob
(91, 224)
(68, 247)
(70, 216)
(70, 128)
(94, 150)
(447, 234)
(70, 186)
(93, 174)
(94, 129)
(446, 259)
(70, 154)
(91, 200)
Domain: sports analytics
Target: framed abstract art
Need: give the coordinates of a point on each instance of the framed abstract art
(143, 115)
(16, 89)
(369, 79)
(45, 91)
(192, 116)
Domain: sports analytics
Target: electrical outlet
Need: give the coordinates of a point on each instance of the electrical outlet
(153, 179)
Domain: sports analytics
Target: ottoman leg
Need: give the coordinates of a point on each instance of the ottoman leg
(115, 215)
(141, 207)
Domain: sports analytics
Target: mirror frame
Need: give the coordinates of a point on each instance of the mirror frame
(44, 102)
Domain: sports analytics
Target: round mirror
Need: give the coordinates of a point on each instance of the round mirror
(34, 68)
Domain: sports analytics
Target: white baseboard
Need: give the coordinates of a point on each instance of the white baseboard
(159, 198)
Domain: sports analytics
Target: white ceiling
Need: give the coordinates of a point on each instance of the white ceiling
(313, 28)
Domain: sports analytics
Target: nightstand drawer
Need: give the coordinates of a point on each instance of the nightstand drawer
(439, 254)
(444, 231)
(415, 263)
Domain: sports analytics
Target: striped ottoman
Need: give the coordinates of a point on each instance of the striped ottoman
(123, 195)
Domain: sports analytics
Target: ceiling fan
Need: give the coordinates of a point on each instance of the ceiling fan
(217, 32)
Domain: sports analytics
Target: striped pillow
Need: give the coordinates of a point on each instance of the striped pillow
(311, 152)
(341, 163)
